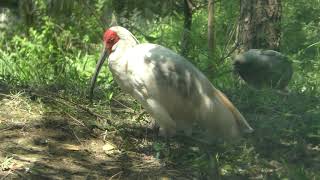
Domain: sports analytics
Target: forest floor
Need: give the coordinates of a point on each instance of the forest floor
(48, 136)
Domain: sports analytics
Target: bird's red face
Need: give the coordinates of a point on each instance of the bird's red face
(110, 38)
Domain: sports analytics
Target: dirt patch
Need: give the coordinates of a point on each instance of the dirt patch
(42, 142)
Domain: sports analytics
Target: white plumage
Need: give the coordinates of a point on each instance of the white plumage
(170, 88)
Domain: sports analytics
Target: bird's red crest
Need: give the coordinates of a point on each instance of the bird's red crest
(110, 38)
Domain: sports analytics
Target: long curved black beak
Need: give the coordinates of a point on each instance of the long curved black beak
(102, 58)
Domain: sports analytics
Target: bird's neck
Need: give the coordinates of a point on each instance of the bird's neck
(118, 60)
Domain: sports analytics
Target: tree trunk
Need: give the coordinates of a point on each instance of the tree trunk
(27, 11)
(185, 42)
(211, 28)
(259, 24)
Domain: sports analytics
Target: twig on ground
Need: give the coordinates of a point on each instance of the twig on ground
(6, 95)
(118, 173)
(71, 104)
(122, 104)
(75, 135)
(13, 126)
(5, 129)
(75, 119)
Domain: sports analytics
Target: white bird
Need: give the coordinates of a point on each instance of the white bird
(175, 93)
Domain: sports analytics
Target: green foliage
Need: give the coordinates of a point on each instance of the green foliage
(52, 55)
(300, 25)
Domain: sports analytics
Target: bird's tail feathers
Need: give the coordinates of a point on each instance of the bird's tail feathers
(242, 122)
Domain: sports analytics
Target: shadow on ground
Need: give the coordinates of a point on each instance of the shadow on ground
(44, 137)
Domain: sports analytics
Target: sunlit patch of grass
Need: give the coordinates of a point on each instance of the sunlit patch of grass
(19, 108)
(7, 163)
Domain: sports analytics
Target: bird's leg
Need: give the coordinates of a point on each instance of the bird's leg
(213, 169)
(162, 118)
(167, 125)
(158, 112)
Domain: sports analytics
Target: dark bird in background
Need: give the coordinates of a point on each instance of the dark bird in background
(264, 69)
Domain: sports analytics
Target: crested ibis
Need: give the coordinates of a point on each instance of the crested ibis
(264, 68)
(175, 93)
